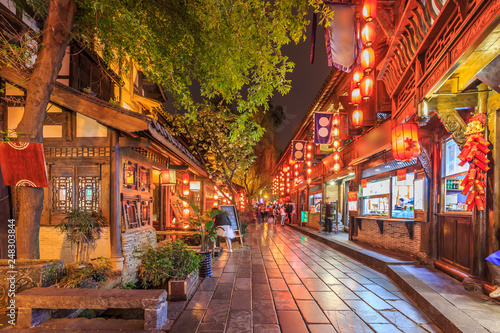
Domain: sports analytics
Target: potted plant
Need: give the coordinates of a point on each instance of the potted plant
(172, 266)
(207, 233)
(82, 230)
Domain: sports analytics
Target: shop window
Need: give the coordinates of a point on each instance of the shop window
(403, 197)
(62, 194)
(376, 197)
(315, 202)
(454, 200)
(419, 194)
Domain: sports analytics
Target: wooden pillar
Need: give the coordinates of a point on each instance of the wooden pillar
(115, 225)
(435, 196)
(494, 189)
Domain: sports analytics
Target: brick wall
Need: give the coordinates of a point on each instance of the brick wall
(54, 246)
(313, 221)
(130, 242)
(394, 238)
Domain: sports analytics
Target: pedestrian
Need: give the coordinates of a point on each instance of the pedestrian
(259, 214)
(328, 216)
(283, 215)
(493, 262)
(276, 212)
(289, 209)
(224, 229)
(270, 217)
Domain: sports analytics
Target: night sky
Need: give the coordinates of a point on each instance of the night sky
(306, 79)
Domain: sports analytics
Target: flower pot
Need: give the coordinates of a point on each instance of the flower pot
(206, 264)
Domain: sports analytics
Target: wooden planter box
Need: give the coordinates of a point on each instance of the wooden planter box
(181, 290)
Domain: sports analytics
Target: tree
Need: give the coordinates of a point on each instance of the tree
(231, 47)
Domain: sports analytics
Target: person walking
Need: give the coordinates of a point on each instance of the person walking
(283, 215)
(328, 217)
(258, 213)
(289, 209)
(223, 226)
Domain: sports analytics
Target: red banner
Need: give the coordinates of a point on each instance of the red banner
(352, 196)
(23, 164)
(363, 183)
(401, 174)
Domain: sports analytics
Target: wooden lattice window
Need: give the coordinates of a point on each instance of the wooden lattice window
(62, 194)
(146, 212)
(131, 215)
(144, 178)
(88, 194)
(130, 175)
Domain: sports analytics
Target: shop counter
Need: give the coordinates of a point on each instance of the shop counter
(399, 235)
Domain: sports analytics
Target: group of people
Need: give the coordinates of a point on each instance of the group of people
(274, 213)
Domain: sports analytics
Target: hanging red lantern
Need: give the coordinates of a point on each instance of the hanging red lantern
(357, 75)
(336, 144)
(405, 146)
(336, 167)
(336, 119)
(366, 87)
(368, 33)
(356, 96)
(185, 190)
(185, 178)
(357, 118)
(335, 131)
(367, 59)
(369, 9)
(336, 156)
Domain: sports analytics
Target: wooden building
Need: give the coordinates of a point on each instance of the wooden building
(437, 64)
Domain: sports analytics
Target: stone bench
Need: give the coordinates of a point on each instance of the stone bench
(35, 305)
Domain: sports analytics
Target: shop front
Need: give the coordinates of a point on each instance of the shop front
(391, 206)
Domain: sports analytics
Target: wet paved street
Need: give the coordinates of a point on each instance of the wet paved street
(282, 281)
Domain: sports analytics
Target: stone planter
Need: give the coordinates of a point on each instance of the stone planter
(181, 290)
(30, 273)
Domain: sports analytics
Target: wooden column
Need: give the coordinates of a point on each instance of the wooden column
(435, 196)
(115, 224)
(493, 243)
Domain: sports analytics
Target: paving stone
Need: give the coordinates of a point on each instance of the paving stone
(328, 300)
(273, 273)
(400, 321)
(242, 300)
(315, 285)
(263, 312)
(351, 284)
(291, 322)
(291, 278)
(259, 278)
(381, 292)
(343, 292)
(360, 278)
(209, 283)
(227, 277)
(286, 269)
(299, 292)
(240, 322)
(366, 312)
(261, 291)
(311, 312)
(283, 300)
(200, 300)
(266, 328)
(233, 268)
(321, 328)
(410, 311)
(187, 322)
(278, 284)
(223, 291)
(385, 328)
(244, 273)
(212, 327)
(243, 284)
(347, 322)
(373, 300)
(329, 279)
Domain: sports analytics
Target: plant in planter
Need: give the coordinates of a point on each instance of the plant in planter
(86, 274)
(82, 230)
(207, 233)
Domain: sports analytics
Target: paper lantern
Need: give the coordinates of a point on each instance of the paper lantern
(336, 119)
(336, 156)
(369, 9)
(366, 87)
(309, 147)
(336, 167)
(357, 118)
(367, 59)
(185, 190)
(168, 177)
(356, 96)
(185, 178)
(336, 144)
(368, 33)
(357, 75)
(335, 131)
(405, 146)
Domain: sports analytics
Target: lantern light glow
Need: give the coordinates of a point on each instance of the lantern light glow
(405, 146)
(357, 118)
(367, 59)
(366, 87)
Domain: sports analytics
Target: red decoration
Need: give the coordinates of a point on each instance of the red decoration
(352, 196)
(336, 119)
(23, 164)
(357, 118)
(357, 75)
(336, 144)
(474, 152)
(369, 9)
(185, 178)
(364, 183)
(405, 144)
(366, 87)
(401, 174)
(356, 96)
(367, 58)
(368, 33)
(336, 167)
(336, 156)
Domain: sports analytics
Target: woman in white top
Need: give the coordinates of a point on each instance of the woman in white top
(283, 215)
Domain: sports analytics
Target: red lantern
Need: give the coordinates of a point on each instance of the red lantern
(336, 144)
(366, 87)
(336, 156)
(357, 118)
(336, 119)
(356, 96)
(405, 146)
(335, 131)
(185, 190)
(336, 167)
(368, 33)
(185, 178)
(369, 9)
(357, 75)
(367, 59)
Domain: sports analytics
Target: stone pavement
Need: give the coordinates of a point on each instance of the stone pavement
(283, 281)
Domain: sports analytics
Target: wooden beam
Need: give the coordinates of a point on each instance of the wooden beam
(452, 101)
(69, 98)
(134, 142)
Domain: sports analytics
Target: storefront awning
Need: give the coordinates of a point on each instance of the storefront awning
(375, 141)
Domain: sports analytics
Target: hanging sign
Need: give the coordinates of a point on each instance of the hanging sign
(352, 196)
(322, 127)
(363, 183)
(23, 164)
(298, 150)
(401, 174)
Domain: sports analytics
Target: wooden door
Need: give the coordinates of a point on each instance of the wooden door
(455, 241)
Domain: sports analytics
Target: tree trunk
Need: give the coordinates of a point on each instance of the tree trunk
(55, 38)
